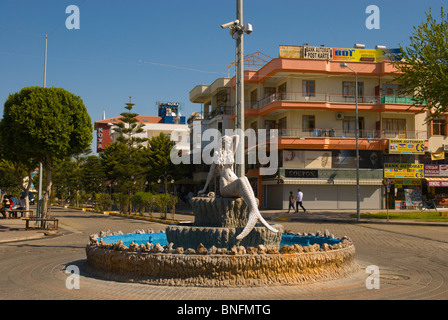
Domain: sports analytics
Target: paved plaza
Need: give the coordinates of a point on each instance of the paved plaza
(412, 260)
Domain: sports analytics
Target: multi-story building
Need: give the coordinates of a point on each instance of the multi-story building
(310, 98)
(169, 121)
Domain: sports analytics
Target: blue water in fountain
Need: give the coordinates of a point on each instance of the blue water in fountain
(287, 239)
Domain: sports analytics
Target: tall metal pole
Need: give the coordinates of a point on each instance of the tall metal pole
(358, 196)
(39, 194)
(239, 87)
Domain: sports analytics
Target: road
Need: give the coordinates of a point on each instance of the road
(412, 261)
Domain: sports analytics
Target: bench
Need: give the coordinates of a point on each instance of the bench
(45, 223)
(14, 214)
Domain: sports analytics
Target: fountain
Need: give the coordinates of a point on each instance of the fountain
(224, 246)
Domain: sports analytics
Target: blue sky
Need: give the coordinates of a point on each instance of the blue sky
(160, 50)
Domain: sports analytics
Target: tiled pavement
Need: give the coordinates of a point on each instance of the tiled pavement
(412, 259)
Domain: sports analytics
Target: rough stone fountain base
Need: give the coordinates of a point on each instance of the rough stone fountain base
(238, 267)
(207, 253)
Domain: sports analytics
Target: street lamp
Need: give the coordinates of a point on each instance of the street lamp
(165, 177)
(344, 65)
(237, 30)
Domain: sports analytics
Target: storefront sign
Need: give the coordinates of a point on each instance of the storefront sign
(99, 141)
(437, 182)
(401, 146)
(321, 53)
(436, 170)
(290, 52)
(339, 54)
(403, 170)
(289, 173)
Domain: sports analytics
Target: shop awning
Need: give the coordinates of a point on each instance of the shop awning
(437, 182)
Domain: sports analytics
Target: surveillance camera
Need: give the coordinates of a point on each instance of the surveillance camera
(248, 28)
(230, 24)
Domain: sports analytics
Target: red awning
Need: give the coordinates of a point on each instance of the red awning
(437, 182)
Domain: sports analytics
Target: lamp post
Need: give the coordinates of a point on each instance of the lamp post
(165, 178)
(237, 30)
(344, 65)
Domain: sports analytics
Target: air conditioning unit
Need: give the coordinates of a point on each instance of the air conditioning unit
(445, 147)
(339, 116)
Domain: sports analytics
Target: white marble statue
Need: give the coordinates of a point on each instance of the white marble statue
(231, 186)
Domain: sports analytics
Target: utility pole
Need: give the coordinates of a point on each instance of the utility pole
(39, 194)
(239, 87)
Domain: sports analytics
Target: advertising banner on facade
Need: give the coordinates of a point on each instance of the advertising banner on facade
(404, 170)
(339, 54)
(290, 52)
(402, 146)
(321, 53)
(436, 170)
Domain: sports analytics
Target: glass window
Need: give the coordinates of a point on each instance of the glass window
(439, 127)
(308, 123)
(309, 88)
(349, 89)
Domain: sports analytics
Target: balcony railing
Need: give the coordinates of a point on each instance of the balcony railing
(350, 134)
(326, 97)
(222, 110)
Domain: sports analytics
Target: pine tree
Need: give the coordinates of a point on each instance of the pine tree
(129, 127)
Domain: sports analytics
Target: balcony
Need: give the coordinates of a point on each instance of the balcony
(327, 98)
(350, 134)
(222, 110)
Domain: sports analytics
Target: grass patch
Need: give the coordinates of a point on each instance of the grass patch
(405, 215)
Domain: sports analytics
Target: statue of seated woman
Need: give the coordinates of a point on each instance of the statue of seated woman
(231, 186)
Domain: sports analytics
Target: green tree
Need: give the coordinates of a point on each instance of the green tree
(157, 159)
(93, 176)
(50, 123)
(424, 67)
(129, 127)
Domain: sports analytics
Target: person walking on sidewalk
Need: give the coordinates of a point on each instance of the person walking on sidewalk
(299, 199)
(291, 201)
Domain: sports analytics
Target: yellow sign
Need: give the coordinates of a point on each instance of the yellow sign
(338, 54)
(404, 170)
(401, 146)
(290, 52)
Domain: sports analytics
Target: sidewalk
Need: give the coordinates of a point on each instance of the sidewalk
(339, 216)
(14, 230)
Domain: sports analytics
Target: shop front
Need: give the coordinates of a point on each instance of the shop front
(403, 185)
(436, 177)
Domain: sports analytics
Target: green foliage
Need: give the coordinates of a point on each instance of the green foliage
(424, 68)
(48, 123)
(157, 157)
(103, 201)
(141, 200)
(128, 127)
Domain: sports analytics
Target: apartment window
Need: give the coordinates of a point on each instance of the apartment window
(439, 127)
(349, 125)
(282, 126)
(282, 91)
(308, 123)
(309, 88)
(391, 89)
(349, 89)
(269, 91)
(253, 98)
(395, 127)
